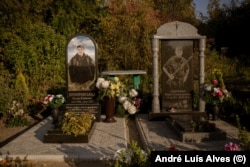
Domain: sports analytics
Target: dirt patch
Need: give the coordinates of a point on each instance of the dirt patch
(132, 132)
(9, 133)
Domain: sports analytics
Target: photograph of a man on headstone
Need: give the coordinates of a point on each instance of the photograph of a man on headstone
(81, 64)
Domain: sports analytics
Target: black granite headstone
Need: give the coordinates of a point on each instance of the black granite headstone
(82, 72)
(177, 74)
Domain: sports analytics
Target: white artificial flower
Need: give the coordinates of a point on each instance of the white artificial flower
(48, 98)
(60, 96)
(126, 104)
(98, 82)
(105, 84)
(51, 98)
(208, 87)
(132, 109)
(133, 93)
(100, 79)
(216, 90)
(122, 99)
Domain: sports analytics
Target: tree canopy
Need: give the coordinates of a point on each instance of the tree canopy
(33, 34)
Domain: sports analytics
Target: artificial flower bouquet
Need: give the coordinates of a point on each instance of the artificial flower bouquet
(15, 109)
(116, 88)
(215, 92)
(54, 101)
(110, 88)
(16, 115)
(231, 147)
(131, 102)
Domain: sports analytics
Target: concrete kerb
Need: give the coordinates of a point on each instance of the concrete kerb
(142, 136)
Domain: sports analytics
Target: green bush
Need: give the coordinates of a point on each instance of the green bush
(7, 91)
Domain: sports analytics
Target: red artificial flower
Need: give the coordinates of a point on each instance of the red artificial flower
(215, 82)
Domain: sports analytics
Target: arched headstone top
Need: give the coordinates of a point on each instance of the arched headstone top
(178, 30)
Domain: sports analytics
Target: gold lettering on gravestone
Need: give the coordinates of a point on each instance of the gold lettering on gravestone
(81, 94)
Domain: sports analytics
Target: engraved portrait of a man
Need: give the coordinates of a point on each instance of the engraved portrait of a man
(177, 69)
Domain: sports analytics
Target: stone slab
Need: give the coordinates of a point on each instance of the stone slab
(57, 136)
(189, 136)
(163, 114)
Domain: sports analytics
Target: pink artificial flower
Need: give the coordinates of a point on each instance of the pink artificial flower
(220, 94)
(137, 102)
(173, 148)
(48, 98)
(215, 82)
(231, 147)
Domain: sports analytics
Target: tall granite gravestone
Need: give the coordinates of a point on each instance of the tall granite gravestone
(176, 42)
(177, 73)
(82, 71)
(173, 46)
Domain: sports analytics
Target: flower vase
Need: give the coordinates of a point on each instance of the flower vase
(214, 111)
(109, 109)
(55, 113)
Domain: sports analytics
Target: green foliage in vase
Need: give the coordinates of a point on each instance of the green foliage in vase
(74, 123)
